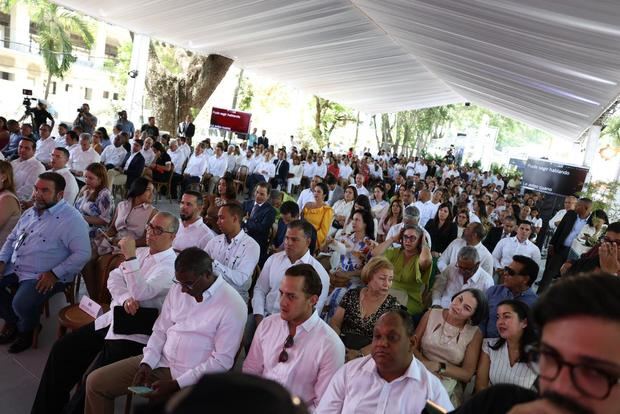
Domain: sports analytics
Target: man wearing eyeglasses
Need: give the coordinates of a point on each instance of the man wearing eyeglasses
(198, 332)
(577, 358)
(518, 276)
(466, 273)
(296, 347)
(472, 236)
(141, 281)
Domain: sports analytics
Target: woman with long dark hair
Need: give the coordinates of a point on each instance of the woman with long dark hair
(224, 192)
(393, 215)
(449, 340)
(442, 229)
(95, 200)
(351, 251)
(503, 360)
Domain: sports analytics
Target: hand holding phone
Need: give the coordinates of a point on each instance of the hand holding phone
(140, 389)
(104, 234)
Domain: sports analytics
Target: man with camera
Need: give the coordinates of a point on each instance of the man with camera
(39, 115)
(85, 120)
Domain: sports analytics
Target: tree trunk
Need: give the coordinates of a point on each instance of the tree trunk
(236, 97)
(374, 122)
(47, 86)
(357, 129)
(173, 97)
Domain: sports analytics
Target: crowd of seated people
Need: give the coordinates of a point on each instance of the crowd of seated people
(379, 272)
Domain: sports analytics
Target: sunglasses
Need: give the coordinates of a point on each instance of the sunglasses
(289, 342)
(509, 271)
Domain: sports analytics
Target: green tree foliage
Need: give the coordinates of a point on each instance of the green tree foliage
(511, 133)
(412, 130)
(246, 94)
(327, 116)
(604, 196)
(119, 67)
(611, 133)
(55, 25)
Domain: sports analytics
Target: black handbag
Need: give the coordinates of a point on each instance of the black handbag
(355, 341)
(140, 323)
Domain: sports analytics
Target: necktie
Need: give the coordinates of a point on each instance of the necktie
(254, 209)
(278, 166)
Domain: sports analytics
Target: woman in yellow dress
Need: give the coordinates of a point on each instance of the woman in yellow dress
(319, 213)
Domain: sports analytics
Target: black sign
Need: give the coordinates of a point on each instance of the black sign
(519, 164)
(553, 178)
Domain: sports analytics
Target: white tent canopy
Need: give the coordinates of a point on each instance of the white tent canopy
(553, 64)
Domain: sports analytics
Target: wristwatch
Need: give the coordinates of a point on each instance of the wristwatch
(442, 368)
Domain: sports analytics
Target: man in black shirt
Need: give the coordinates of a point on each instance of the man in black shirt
(39, 115)
(150, 128)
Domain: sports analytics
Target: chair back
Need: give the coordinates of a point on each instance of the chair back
(104, 294)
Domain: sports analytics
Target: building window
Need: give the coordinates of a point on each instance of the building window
(88, 94)
(67, 87)
(115, 96)
(106, 95)
(7, 76)
(53, 88)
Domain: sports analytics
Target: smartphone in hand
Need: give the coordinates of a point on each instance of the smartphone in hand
(433, 408)
(140, 390)
(104, 234)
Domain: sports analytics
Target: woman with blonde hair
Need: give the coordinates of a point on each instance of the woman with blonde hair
(361, 307)
(95, 200)
(10, 210)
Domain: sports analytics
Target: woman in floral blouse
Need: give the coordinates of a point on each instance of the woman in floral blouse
(95, 200)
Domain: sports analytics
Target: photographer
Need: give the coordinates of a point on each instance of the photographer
(85, 120)
(39, 115)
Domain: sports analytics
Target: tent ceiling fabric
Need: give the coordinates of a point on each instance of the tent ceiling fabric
(553, 64)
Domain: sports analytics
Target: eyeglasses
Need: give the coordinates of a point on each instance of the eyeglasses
(157, 231)
(589, 381)
(510, 271)
(410, 238)
(186, 285)
(289, 342)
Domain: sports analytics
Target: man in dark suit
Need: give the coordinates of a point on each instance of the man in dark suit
(133, 166)
(335, 191)
(263, 140)
(282, 168)
(187, 129)
(498, 233)
(260, 216)
(559, 246)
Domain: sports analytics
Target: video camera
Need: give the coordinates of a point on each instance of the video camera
(27, 101)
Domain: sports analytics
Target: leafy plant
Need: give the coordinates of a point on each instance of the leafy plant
(54, 26)
(604, 196)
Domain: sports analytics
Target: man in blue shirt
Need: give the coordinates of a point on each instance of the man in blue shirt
(46, 249)
(518, 279)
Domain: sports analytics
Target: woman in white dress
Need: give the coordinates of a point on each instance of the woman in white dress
(503, 360)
